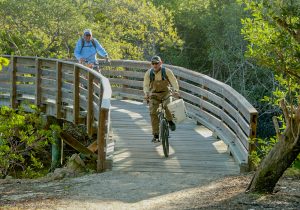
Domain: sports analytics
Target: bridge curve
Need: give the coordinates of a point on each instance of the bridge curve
(68, 90)
(193, 148)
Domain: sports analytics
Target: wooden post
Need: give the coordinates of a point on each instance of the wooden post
(76, 95)
(101, 140)
(124, 87)
(90, 110)
(202, 98)
(13, 90)
(56, 151)
(252, 145)
(56, 147)
(58, 87)
(101, 131)
(38, 74)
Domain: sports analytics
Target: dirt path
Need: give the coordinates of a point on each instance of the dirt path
(119, 190)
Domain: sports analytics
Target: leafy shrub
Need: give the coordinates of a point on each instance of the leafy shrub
(24, 143)
(287, 89)
(3, 62)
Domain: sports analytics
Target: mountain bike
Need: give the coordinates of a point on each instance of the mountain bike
(163, 126)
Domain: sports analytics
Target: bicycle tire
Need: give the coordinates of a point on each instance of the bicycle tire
(164, 135)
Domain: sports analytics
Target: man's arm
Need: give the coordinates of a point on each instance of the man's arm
(172, 79)
(146, 84)
(100, 50)
(77, 50)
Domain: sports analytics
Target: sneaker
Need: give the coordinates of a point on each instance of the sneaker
(172, 125)
(155, 138)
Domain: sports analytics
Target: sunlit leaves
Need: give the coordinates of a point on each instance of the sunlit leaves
(3, 62)
(271, 31)
(135, 29)
(128, 29)
(43, 28)
(23, 141)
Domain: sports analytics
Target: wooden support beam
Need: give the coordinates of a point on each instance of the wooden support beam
(101, 132)
(252, 145)
(58, 89)
(38, 90)
(70, 140)
(13, 79)
(76, 95)
(93, 146)
(102, 140)
(90, 110)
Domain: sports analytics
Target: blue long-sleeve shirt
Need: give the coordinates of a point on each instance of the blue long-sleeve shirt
(88, 51)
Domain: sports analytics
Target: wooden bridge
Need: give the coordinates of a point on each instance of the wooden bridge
(220, 123)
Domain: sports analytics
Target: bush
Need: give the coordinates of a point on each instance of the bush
(24, 143)
(287, 89)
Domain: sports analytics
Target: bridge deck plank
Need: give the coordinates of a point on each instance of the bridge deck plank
(193, 149)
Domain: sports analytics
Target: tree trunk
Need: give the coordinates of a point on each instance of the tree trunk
(279, 158)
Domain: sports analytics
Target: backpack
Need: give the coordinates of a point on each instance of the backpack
(82, 43)
(163, 74)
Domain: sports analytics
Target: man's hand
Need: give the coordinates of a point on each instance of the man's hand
(81, 60)
(176, 94)
(147, 98)
(107, 60)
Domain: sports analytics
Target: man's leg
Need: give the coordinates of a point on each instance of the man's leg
(153, 106)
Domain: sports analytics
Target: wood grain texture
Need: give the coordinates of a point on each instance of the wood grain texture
(193, 149)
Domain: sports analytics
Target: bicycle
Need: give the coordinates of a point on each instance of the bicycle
(95, 66)
(163, 122)
(163, 126)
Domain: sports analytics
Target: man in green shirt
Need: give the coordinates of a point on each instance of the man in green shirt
(157, 82)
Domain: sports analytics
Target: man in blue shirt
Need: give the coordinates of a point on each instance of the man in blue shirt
(87, 48)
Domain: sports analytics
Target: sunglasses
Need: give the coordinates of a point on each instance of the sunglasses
(87, 35)
(154, 63)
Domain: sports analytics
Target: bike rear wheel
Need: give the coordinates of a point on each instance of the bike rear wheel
(164, 136)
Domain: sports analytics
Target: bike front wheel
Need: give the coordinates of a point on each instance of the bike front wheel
(164, 136)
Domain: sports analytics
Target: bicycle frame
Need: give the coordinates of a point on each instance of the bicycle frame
(161, 112)
(163, 126)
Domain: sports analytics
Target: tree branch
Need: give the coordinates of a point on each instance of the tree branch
(275, 122)
(285, 113)
(297, 120)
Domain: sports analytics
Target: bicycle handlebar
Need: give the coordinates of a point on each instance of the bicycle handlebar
(174, 94)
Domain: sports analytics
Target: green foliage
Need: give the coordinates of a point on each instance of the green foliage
(213, 45)
(3, 62)
(128, 29)
(24, 144)
(273, 34)
(287, 89)
(263, 148)
(134, 29)
(39, 28)
(272, 30)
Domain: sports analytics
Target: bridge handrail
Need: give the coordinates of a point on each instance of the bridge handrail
(66, 90)
(210, 102)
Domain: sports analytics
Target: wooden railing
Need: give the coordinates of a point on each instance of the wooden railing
(210, 102)
(65, 85)
(62, 89)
